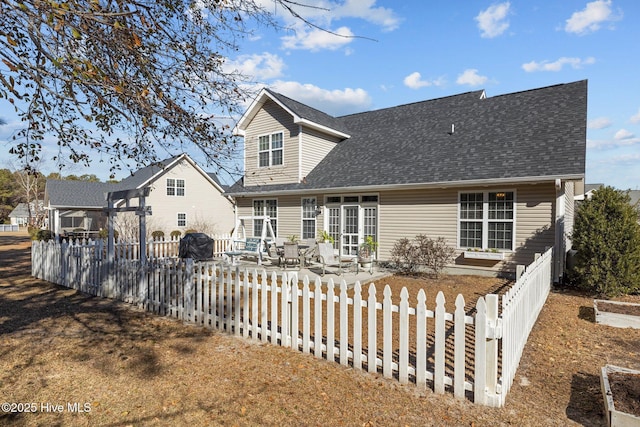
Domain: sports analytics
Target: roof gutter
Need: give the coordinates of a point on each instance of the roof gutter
(415, 186)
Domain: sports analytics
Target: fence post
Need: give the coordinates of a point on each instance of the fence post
(493, 334)
(519, 271)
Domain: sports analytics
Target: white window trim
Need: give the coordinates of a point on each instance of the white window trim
(361, 205)
(186, 219)
(303, 219)
(175, 187)
(485, 218)
(270, 150)
(264, 214)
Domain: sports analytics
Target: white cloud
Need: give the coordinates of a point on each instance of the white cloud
(471, 77)
(597, 144)
(315, 39)
(558, 64)
(623, 134)
(257, 67)
(599, 123)
(324, 13)
(334, 102)
(365, 9)
(636, 117)
(493, 21)
(591, 18)
(414, 81)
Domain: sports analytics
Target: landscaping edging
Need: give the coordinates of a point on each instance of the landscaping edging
(616, 418)
(613, 318)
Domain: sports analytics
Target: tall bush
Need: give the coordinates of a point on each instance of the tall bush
(606, 236)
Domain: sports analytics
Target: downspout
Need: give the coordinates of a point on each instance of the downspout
(559, 246)
(299, 153)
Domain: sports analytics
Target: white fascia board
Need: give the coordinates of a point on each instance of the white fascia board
(257, 103)
(322, 128)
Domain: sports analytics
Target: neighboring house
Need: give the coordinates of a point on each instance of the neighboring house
(20, 215)
(483, 172)
(182, 197)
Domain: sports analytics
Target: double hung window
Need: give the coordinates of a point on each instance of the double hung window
(309, 218)
(487, 220)
(266, 207)
(182, 219)
(270, 150)
(175, 187)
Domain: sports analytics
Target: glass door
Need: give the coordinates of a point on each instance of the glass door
(350, 235)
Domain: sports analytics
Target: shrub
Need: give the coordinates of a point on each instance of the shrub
(104, 233)
(404, 256)
(606, 236)
(191, 230)
(45, 235)
(158, 235)
(33, 232)
(175, 234)
(435, 254)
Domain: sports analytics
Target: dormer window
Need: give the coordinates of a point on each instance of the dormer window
(270, 151)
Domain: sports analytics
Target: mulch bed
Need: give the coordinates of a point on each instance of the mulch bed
(628, 309)
(625, 390)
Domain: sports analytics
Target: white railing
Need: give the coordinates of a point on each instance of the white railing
(521, 306)
(421, 343)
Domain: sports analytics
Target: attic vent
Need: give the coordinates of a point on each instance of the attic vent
(453, 129)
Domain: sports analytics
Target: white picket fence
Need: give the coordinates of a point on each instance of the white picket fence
(521, 306)
(155, 248)
(419, 343)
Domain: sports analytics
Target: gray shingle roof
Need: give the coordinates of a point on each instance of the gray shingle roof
(143, 175)
(65, 193)
(20, 211)
(78, 194)
(310, 113)
(535, 133)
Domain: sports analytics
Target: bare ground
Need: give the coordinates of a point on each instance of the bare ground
(126, 367)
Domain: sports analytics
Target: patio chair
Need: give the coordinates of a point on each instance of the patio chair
(329, 259)
(272, 253)
(311, 252)
(291, 253)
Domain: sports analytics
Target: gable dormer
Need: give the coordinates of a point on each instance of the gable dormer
(284, 139)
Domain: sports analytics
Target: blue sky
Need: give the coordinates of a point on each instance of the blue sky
(425, 50)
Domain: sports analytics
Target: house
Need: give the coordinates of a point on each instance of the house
(182, 197)
(24, 213)
(496, 175)
(20, 215)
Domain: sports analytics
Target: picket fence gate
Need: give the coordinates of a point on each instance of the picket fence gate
(419, 343)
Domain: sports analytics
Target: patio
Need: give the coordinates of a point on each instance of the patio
(350, 275)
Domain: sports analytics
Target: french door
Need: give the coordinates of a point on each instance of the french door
(349, 225)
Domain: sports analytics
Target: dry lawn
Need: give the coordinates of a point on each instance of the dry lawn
(60, 347)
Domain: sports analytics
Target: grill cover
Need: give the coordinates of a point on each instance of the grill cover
(198, 246)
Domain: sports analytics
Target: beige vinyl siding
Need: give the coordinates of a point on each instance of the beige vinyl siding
(272, 119)
(315, 146)
(289, 214)
(434, 212)
(535, 222)
(204, 205)
(409, 213)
